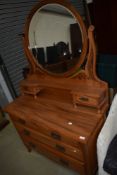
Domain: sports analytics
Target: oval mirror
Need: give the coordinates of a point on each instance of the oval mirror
(57, 38)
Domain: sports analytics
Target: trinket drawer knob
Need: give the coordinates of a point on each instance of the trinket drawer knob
(83, 99)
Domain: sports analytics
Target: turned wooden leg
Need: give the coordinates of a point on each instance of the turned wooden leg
(29, 149)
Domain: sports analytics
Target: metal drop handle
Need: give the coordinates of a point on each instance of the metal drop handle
(60, 148)
(55, 136)
(26, 132)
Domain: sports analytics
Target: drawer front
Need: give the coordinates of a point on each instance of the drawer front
(92, 98)
(56, 145)
(48, 129)
(85, 100)
(56, 156)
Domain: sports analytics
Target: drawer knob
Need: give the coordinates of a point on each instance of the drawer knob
(26, 132)
(21, 121)
(64, 162)
(55, 136)
(60, 148)
(83, 99)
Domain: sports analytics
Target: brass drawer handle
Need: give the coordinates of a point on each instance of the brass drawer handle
(26, 132)
(21, 121)
(64, 162)
(60, 148)
(55, 136)
(83, 99)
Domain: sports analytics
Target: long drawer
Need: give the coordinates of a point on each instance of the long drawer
(56, 145)
(50, 130)
(57, 156)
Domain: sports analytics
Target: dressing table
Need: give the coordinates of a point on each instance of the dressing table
(60, 112)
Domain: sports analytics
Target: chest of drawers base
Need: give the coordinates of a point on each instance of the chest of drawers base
(61, 140)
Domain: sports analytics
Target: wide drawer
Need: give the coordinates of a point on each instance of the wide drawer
(51, 130)
(56, 156)
(56, 145)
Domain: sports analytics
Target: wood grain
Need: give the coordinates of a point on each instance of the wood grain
(61, 116)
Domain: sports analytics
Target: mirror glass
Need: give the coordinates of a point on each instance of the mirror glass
(55, 38)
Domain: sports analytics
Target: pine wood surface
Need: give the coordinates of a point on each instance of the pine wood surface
(61, 115)
(58, 145)
(82, 125)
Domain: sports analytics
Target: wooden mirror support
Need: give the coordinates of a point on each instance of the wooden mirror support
(61, 115)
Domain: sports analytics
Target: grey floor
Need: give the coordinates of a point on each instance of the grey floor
(16, 160)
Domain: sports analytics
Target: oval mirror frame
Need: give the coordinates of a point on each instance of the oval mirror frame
(34, 64)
